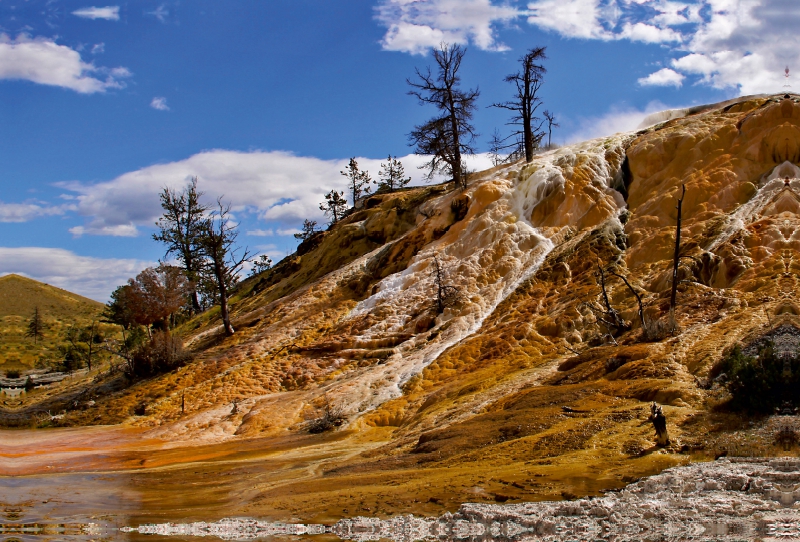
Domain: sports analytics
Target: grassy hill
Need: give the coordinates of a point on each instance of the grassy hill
(59, 309)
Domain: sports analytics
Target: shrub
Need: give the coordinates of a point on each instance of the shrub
(162, 353)
(763, 383)
(332, 417)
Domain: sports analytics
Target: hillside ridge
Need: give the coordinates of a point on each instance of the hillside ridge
(19, 295)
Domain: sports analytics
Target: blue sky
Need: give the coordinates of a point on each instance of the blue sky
(102, 105)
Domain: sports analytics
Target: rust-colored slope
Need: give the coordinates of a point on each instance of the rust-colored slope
(469, 404)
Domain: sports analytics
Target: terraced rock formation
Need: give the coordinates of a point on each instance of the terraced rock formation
(520, 389)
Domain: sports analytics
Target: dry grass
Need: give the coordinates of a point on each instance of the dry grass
(59, 309)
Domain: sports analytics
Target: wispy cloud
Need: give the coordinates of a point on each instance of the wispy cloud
(159, 103)
(109, 13)
(23, 212)
(260, 233)
(161, 13)
(98, 48)
(43, 61)
(617, 119)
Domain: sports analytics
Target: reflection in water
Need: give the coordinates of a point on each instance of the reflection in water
(729, 499)
(46, 529)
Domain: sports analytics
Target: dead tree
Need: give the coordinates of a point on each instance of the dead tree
(218, 241)
(550, 118)
(446, 294)
(447, 137)
(609, 317)
(676, 260)
(635, 294)
(527, 81)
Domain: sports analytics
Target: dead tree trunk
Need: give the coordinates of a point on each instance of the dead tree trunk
(612, 319)
(676, 260)
(659, 424)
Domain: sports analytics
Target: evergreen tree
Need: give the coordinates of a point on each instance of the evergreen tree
(335, 206)
(35, 326)
(392, 175)
(357, 181)
(309, 229)
(180, 228)
(261, 264)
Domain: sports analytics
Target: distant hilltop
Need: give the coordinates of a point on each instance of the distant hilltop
(19, 296)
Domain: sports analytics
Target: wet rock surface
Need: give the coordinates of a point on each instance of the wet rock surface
(729, 499)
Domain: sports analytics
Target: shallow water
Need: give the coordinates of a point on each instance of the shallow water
(182, 498)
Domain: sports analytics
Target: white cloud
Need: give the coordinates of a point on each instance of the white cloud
(618, 119)
(738, 45)
(277, 186)
(23, 212)
(587, 19)
(109, 13)
(662, 78)
(260, 233)
(289, 231)
(98, 48)
(414, 26)
(159, 103)
(648, 33)
(43, 61)
(95, 278)
(114, 230)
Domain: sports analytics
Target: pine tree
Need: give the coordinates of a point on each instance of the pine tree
(180, 229)
(357, 181)
(392, 175)
(309, 229)
(35, 326)
(335, 206)
(261, 264)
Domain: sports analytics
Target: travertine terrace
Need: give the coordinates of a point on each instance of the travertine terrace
(516, 392)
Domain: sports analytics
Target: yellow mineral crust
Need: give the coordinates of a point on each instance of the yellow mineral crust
(517, 390)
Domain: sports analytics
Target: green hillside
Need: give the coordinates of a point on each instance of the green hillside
(59, 309)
